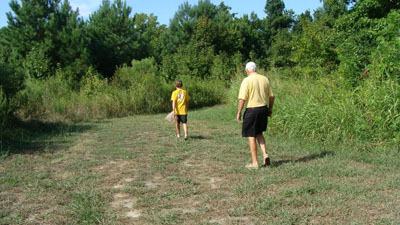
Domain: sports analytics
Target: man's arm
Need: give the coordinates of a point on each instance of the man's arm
(271, 104)
(240, 107)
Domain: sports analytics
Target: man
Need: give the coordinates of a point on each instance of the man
(256, 91)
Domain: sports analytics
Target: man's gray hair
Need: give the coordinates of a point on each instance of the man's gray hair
(251, 66)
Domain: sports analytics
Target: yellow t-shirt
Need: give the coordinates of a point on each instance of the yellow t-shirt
(181, 97)
(255, 90)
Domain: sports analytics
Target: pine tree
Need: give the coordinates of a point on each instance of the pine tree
(113, 39)
(47, 34)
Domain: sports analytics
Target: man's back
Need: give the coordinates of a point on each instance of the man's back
(255, 90)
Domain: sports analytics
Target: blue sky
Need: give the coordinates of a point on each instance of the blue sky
(165, 9)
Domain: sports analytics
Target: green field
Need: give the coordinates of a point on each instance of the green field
(133, 170)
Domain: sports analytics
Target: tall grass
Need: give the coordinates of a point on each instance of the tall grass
(136, 89)
(328, 110)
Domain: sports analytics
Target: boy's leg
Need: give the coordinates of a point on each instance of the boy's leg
(178, 129)
(185, 129)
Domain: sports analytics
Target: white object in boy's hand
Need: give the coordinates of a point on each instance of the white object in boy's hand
(170, 117)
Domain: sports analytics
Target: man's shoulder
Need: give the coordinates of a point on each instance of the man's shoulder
(262, 77)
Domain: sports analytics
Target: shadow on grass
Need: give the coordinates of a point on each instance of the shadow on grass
(27, 137)
(302, 159)
(199, 137)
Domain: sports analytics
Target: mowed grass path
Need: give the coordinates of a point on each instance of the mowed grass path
(133, 171)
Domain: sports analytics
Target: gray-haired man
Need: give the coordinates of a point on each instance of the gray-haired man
(256, 91)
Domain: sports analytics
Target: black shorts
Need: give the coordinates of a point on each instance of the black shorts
(181, 118)
(255, 121)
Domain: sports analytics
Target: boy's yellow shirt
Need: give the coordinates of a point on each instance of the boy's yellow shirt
(181, 97)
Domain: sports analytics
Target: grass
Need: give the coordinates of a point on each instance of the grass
(133, 171)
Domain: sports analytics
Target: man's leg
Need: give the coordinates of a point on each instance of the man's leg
(261, 142)
(185, 129)
(253, 149)
(178, 129)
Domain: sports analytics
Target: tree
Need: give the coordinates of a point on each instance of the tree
(215, 22)
(49, 29)
(277, 17)
(251, 30)
(113, 39)
(278, 22)
(358, 32)
(148, 34)
(302, 19)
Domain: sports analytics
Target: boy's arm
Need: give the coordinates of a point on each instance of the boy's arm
(187, 104)
(173, 106)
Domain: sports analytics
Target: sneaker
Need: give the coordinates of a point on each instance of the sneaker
(251, 166)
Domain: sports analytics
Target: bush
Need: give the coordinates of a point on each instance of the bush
(37, 64)
(204, 92)
(45, 98)
(140, 89)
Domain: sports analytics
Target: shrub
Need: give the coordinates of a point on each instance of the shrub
(45, 98)
(204, 92)
(140, 89)
(37, 64)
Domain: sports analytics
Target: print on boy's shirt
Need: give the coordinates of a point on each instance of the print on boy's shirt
(180, 97)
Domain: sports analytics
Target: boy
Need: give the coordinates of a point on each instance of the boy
(180, 105)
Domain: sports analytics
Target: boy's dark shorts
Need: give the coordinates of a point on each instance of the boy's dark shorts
(181, 118)
(255, 121)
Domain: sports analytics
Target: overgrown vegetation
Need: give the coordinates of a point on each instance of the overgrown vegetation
(336, 70)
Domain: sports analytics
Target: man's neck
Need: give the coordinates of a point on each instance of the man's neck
(249, 72)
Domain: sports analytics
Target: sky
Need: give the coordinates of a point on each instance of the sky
(165, 9)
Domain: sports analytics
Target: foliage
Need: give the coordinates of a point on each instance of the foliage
(205, 23)
(204, 93)
(93, 83)
(50, 30)
(314, 49)
(251, 30)
(133, 90)
(4, 111)
(113, 40)
(11, 76)
(36, 64)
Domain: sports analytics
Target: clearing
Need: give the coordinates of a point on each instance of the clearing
(134, 171)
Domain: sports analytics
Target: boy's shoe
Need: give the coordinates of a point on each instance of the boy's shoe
(251, 166)
(186, 138)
